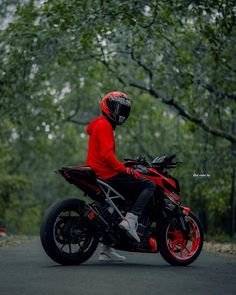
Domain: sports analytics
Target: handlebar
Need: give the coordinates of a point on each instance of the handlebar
(159, 162)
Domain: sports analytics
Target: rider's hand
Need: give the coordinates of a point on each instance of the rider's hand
(133, 172)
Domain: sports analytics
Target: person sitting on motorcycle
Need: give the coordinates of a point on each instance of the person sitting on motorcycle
(101, 158)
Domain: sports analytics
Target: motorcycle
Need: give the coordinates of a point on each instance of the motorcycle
(71, 229)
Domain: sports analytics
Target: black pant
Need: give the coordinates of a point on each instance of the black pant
(140, 188)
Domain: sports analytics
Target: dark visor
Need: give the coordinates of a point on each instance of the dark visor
(124, 110)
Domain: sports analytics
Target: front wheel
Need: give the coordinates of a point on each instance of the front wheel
(65, 236)
(175, 248)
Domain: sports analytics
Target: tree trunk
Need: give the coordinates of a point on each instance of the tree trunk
(232, 203)
(232, 194)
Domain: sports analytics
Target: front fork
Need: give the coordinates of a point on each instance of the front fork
(183, 221)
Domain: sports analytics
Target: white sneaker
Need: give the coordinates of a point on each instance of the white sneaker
(130, 225)
(109, 254)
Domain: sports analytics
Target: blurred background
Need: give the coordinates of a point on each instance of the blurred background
(175, 59)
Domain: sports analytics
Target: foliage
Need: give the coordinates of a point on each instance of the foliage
(174, 58)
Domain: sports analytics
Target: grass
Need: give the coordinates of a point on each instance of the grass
(14, 240)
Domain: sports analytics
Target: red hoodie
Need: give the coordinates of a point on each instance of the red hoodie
(101, 149)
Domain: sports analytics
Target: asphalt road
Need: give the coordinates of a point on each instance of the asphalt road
(26, 270)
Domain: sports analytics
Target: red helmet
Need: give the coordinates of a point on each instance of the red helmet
(116, 106)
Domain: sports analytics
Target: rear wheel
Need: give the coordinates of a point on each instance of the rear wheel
(175, 248)
(65, 236)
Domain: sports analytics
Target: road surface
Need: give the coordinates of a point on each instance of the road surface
(26, 270)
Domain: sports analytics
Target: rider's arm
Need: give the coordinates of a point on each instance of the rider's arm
(107, 147)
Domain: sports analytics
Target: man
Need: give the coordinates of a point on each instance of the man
(101, 158)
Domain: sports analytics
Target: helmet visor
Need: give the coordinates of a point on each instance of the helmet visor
(119, 109)
(124, 111)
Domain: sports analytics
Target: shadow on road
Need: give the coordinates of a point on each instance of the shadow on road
(102, 265)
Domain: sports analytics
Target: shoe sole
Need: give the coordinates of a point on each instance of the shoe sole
(127, 232)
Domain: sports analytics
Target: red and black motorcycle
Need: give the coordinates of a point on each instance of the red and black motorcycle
(71, 229)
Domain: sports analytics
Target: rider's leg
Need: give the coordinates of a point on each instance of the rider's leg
(144, 198)
(128, 185)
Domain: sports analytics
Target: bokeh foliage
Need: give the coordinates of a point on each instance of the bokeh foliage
(175, 59)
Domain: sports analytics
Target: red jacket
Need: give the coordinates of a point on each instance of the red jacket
(101, 149)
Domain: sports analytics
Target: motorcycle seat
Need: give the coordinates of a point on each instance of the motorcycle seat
(87, 170)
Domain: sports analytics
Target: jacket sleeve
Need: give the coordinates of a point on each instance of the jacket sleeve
(107, 147)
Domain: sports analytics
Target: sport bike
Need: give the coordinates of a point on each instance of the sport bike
(72, 228)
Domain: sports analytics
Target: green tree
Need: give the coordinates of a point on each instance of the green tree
(175, 59)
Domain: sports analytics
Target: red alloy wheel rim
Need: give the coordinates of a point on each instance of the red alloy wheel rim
(178, 246)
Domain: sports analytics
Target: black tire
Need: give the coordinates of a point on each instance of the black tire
(48, 236)
(171, 255)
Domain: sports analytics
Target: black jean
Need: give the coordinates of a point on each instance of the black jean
(140, 188)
